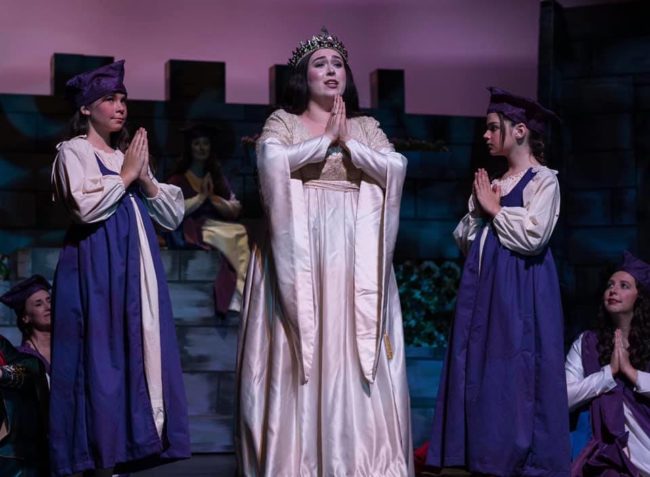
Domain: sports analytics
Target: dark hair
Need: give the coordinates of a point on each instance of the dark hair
(535, 139)
(639, 337)
(23, 327)
(212, 165)
(296, 92)
(78, 125)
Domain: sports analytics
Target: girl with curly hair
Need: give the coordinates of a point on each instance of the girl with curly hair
(609, 370)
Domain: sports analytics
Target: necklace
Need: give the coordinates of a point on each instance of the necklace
(31, 342)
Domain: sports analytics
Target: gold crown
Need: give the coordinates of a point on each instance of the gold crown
(323, 40)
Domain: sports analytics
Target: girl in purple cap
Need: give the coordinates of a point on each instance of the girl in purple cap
(502, 404)
(117, 399)
(608, 370)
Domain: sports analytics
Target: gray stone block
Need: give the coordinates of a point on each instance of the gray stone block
(642, 90)
(441, 200)
(617, 56)
(596, 169)
(199, 265)
(407, 208)
(576, 58)
(600, 132)
(202, 391)
(7, 315)
(387, 89)
(211, 434)
(194, 80)
(41, 260)
(421, 422)
(11, 333)
(465, 129)
(14, 240)
(588, 245)
(17, 132)
(421, 239)
(624, 206)
(171, 264)
(642, 134)
(208, 348)
(226, 396)
(589, 207)
(599, 95)
(423, 377)
(590, 280)
(17, 209)
(192, 302)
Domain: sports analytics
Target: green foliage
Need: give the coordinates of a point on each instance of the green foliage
(427, 294)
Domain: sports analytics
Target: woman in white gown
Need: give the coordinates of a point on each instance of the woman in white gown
(322, 387)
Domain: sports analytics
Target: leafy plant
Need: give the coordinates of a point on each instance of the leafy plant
(427, 293)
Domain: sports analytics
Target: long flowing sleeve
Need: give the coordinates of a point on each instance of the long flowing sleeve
(167, 207)
(79, 184)
(581, 389)
(377, 155)
(643, 383)
(277, 134)
(528, 229)
(468, 228)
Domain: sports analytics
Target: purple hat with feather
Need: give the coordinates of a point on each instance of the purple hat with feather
(89, 86)
(520, 109)
(637, 268)
(16, 297)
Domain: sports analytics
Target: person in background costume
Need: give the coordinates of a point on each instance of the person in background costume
(23, 383)
(321, 375)
(502, 402)
(608, 370)
(117, 397)
(211, 209)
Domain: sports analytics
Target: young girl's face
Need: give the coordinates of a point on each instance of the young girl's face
(108, 113)
(620, 294)
(498, 140)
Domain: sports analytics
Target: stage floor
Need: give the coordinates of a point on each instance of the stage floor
(200, 465)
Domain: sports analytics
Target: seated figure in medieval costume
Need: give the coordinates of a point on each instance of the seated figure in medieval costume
(608, 371)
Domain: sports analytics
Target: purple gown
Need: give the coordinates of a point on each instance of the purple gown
(100, 412)
(605, 453)
(502, 406)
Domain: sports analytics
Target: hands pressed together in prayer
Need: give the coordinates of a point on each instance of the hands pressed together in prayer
(136, 164)
(620, 361)
(486, 196)
(207, 186)
(337, 126)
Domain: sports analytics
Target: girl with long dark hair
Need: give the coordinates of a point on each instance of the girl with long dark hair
(321, 374)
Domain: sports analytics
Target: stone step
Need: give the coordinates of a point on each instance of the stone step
(180, 265)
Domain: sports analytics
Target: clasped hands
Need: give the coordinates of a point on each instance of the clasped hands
(337, 126)
(136, 164)
(620, 361)
(487, 198)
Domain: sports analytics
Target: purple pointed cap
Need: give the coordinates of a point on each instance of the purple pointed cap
(637, 268)
(16, 297)
(520, 109)
(89, 86)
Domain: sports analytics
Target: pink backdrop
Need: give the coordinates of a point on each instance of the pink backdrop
(449, 49)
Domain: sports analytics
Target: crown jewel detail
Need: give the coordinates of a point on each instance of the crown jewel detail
(323, 40)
